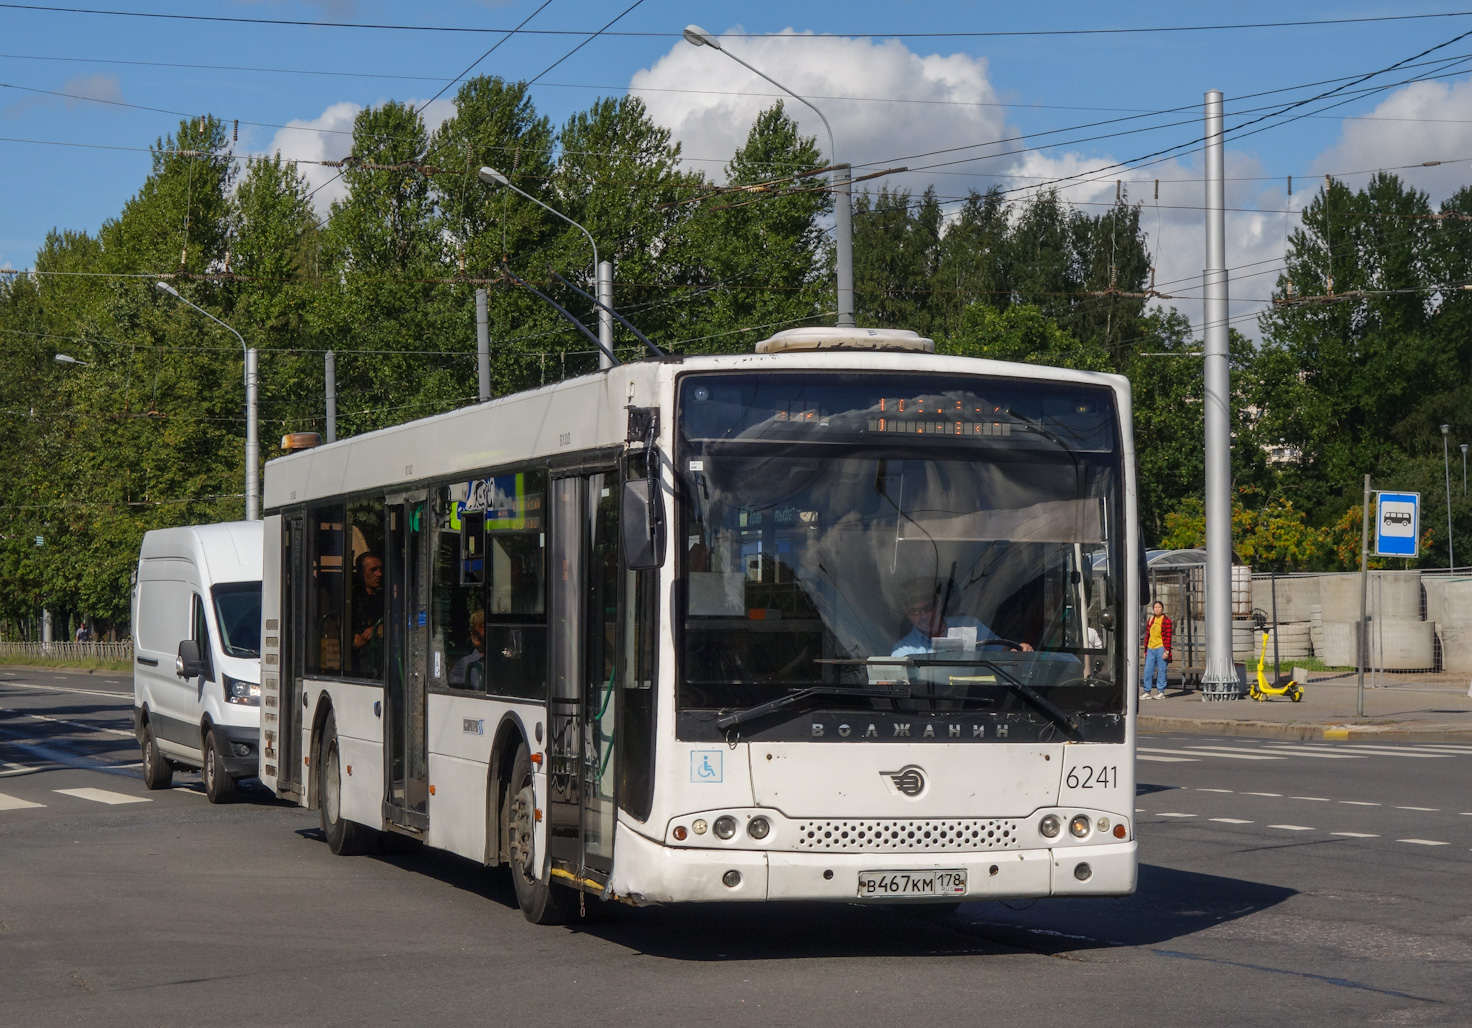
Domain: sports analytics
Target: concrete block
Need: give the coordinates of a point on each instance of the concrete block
(1296, 596)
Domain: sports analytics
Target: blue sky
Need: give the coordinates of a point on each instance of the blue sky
(897, 80)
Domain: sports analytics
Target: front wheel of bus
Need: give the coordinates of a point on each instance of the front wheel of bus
(541, 902)
(345, 838)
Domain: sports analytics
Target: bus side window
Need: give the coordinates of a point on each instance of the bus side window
(516, 586)
(324, 621)
(369, 579)
(459, 598)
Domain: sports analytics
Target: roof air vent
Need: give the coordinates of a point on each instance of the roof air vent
(798, 339)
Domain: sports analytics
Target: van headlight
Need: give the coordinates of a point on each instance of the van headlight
(245, 693)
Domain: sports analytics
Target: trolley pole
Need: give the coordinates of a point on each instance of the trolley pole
(1220, 680)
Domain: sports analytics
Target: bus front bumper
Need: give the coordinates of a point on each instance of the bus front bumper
(648, 872)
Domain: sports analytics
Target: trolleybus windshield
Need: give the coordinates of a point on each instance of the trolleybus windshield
(902, 543)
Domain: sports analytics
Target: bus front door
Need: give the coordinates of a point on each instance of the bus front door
(406, 619)
(585, 599)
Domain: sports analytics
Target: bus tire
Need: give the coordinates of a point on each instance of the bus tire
(157, 774)
(218, 785)
(541, 902)
(345, 838)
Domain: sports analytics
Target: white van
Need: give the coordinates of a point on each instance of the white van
(197, 654)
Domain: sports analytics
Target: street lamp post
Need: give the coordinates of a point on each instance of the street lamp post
(843, 227)
(1451, 560)
(66, 358)
(1464, 469)
(602, 276)
(252, 437)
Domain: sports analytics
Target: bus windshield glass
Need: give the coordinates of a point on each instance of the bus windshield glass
(238, 613)
(900, 542)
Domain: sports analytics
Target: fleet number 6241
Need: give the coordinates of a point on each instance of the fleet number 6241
(1084, 776)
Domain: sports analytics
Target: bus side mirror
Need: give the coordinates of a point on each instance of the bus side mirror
(188, 664)
(642, 521)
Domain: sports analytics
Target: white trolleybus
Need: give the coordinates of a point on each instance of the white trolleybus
(824, 622)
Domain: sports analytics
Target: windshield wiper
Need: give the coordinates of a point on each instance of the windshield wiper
(801, 697)
(1060, 716)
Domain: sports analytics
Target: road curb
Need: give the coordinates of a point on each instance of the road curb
(1336, 731)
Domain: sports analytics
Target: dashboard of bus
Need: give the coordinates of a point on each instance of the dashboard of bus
(916, 549)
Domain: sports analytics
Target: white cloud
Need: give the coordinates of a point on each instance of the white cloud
(1424, 121)
(78, 91)
(709, 101)
(329, 137)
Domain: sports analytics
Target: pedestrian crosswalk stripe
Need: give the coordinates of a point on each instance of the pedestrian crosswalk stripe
(1167, 760)
(1389, 751)
(1232, 753)
(103, 796)
(1325, 754)
(16, 803)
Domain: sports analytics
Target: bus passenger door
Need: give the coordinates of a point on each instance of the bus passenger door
(585, 599)
(406, 627)
(293, 627)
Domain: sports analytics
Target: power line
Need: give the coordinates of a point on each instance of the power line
(379, 26)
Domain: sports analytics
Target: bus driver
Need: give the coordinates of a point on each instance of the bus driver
(924, 601)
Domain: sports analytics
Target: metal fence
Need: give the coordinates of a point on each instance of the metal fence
(86, 651)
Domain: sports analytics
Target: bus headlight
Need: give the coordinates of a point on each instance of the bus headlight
(758, 828)
(725, 826)
(1050, 826)
(1079, 826)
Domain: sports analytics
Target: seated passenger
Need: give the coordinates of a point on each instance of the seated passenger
(923, 600)
(469, 671)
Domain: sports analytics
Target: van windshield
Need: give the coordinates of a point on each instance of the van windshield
(238, 613)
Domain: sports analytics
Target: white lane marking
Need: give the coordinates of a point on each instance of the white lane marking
(14, 769)
(1275, 795)
(189, 789)
(1389, 751)
(1428, 810)
(1172, 813)
(1232, 821)
(1167, 760)
(1229, 754)
(1424, 842)
(1214, 790)
(84, 692)
(16, 803)
(1356, 835)
(102, 796)
(1318, 754)
(70, 724)
(1293, 828)
(1444, 747)
(1156, 749)
(1359, 803)
(1315, 799)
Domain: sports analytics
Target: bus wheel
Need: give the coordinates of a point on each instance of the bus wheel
(541, 902)
(218, 785)
(157, 774)
(345, 838)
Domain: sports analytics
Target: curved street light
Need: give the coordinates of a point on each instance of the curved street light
(602, 275)
(66, 358)
(252, 438)
(843, 228)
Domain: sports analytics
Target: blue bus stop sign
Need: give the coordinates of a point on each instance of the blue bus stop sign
(1397, 524)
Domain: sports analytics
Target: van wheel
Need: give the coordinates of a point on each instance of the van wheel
(345, 838)
(218, 785)
(157, 774)
(541, 902)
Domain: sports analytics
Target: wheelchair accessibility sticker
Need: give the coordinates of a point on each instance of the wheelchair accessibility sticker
(705, 766)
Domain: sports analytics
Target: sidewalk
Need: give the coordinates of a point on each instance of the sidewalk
(1418, 707)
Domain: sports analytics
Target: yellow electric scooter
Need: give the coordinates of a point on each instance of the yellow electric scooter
(1284, 686)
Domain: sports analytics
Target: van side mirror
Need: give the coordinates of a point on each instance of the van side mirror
(641, 518)
(189, 663)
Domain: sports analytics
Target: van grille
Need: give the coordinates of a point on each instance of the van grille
(833, 835)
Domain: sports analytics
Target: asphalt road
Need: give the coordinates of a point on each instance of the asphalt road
(1280, 884)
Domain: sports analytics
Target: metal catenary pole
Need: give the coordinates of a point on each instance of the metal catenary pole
(482, 345)
(1220, 680)
(329, 377)
(605, 316)
(1364, 633)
